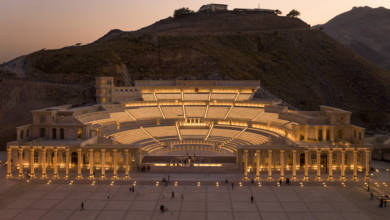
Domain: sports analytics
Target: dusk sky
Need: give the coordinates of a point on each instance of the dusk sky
(30, 25)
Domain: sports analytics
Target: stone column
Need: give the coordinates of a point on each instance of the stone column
(306, 178)
(258, 164)
(79, 163)
(245, 164)
(237, 157)
(127, 164)
(18, 134)
(331, 134)
(32, 170)
(55, 163)
(306, 138)
(318, 152)
(103, 162)
(115, 160)
(367, 170)
(91, 176)
(20, 150)
(269, 165)
(324, 133)
(355, 178)
(139, 158)
(282, 164)
(67, 162)
(330, 165)
(43, 163)
(9, 162)
(294, 166)
(342, 178)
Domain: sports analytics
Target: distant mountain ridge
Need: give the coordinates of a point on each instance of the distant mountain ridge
(304, 67)
(365, 30)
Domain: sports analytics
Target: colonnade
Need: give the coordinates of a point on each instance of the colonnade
(64, 153)
(268, 162)
(257, 160)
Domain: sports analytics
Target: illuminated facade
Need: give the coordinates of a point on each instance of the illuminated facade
(153, 122)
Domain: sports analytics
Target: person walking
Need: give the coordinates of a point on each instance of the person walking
(82, 206)
(173, 194)
(252, 198)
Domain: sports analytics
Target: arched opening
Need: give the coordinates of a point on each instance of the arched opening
(74, 158)
(54, 133)
(62, 134)
(301, 159)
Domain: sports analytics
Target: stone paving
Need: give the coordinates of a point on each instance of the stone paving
(20, 200)
(59, 200)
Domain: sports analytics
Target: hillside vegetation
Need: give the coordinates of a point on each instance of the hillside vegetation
(304, 67)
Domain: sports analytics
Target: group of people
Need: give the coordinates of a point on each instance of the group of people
(132, 188)
(163, 209)
(143, 169)
(287, 181)
(166, 181)
(382, 201)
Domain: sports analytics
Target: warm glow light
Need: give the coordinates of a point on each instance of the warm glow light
(208, 165)
(160, 164)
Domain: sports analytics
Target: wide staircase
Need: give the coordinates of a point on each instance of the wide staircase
(191, 164)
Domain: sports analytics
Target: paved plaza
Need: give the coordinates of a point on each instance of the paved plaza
(21, 200)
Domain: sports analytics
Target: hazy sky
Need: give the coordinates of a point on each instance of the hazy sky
(30, 25)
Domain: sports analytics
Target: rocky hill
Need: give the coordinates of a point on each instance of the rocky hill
(365, 30)
(304, 67)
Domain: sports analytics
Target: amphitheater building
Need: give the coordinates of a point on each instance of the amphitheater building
(199, 125)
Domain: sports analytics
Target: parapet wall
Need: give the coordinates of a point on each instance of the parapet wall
(230, 83)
